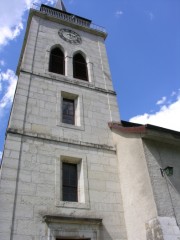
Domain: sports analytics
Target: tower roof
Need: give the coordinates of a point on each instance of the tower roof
(60, 5)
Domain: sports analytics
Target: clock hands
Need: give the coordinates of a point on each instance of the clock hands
(70, 36)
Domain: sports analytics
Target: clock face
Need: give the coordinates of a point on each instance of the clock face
(70, 36)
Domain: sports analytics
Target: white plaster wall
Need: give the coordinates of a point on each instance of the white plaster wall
(137, 195)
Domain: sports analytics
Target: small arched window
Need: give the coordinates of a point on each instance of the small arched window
(80, 67)
(57, 63)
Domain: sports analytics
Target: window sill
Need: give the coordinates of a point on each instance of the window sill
(77, 205)
(55, 75)
(69, 79)
(65, 125)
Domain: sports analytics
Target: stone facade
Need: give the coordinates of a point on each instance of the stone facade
(38, 142)
(121, 192)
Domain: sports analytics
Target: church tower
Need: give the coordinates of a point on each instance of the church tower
(59, 174)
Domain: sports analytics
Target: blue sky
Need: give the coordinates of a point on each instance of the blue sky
(143, 47)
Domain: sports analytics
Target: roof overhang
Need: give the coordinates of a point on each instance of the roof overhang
(147, 131)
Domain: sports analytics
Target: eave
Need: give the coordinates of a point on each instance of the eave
(147, 131)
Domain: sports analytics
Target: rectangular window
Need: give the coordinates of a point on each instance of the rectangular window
(69, 181)
(68, 111)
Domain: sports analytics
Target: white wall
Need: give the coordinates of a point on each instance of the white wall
(137, 195)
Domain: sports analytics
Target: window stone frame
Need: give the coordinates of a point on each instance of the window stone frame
(83, 184)
(79, 110)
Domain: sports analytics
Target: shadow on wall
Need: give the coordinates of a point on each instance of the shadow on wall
(119, 233)
(166, 189)
(161, 155)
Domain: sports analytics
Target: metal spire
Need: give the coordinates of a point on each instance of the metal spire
(60, 5)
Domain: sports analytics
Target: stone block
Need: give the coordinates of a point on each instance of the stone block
(25, 176)
(22, 237)
(4, 236)
(37, 200)
(7, 186)
(9, 174)
(45, 190)
(112, 186)
(24, 211)
(5, 226)
(26, 227)
(27, 188)
(43, 178)
(10, 163)
(97, 185)
(12, 145)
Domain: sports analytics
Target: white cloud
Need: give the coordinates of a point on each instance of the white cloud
(9, 33)
(50, 1)
(168, 116)
(8, 82)
(150, 15)
(173, 94)
(161, 101)
(2, 62)
(119, 13)
(11, 23)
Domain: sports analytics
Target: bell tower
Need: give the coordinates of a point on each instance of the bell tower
(59, 174)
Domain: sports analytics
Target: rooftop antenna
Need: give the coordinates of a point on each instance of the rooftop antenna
(60, 5)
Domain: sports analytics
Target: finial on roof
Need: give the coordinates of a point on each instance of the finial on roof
(60, 5)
